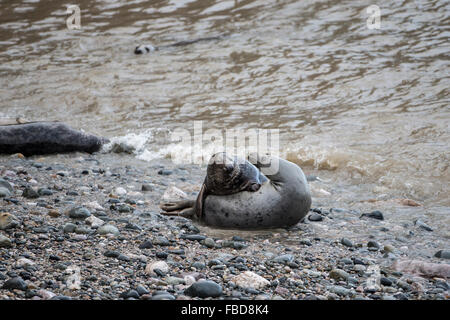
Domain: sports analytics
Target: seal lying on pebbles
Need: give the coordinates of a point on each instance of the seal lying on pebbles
(238, 194)
(31, 138)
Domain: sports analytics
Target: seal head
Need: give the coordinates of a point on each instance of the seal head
(227, 175)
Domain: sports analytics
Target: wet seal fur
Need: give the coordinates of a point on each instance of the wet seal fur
(237, 194)
(46, 137)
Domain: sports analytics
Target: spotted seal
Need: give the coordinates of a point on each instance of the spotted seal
(256, 193)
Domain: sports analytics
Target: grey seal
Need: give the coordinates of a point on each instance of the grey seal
(142, 49)
(248, 194)
(45, 137)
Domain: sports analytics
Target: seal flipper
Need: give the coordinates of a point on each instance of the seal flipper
(178, 205)
(200, 201)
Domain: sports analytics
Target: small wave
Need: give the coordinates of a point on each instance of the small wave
(131, 143)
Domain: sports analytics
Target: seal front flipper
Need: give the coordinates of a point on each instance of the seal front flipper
(186, 213)
(200, 201)
(178, 205)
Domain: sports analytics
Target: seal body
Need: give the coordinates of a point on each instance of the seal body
(35, 138)
(282, 201)
(265, 192)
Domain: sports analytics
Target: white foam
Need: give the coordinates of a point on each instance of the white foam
(129, 143)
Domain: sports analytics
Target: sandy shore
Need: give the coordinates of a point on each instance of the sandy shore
(88, 227)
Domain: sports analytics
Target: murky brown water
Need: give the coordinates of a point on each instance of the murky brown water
(366, 110)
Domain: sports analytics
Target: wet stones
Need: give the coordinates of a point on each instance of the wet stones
(378, 215)
(443, 254)
(147, 244)
(338, 274)
(249, 279)
(422, 225)
(94, 222)
(161, 241)
(108, 229)
(6, 189)
(147, 187)
(16, 283)
(69, 228)
(5, 242)
(284, 259)
(346, 242)
(30, 193)
(152, 267)
(315, 217)
(193, 237)
(79, 213)
(204, 289)
(373, 246)
(7, 221)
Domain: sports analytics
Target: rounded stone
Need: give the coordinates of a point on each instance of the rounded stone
(79, 213)
(338, 274)
(15, 283)
(443, 254)
(108, 229)
(5, 242)
(204, 289)
(346, 242)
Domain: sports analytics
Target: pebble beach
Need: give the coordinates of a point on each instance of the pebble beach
(89, 227)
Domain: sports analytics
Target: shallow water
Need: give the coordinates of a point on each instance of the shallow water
(367, 110)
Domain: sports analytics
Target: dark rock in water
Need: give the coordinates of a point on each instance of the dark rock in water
(204, 289)
(15, 283)
(374, 215)
(30, 193)
(46, 138)
(443, 254)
